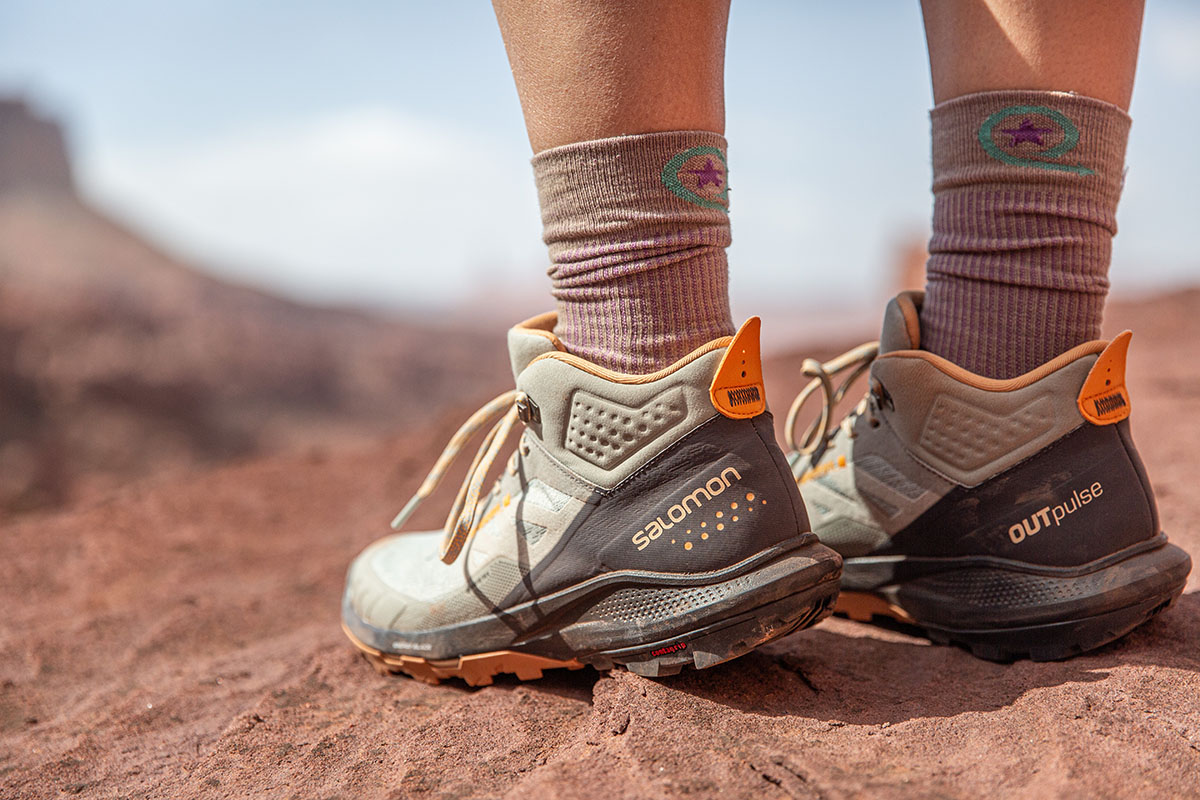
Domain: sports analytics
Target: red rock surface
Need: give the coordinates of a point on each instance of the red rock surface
(180, 639)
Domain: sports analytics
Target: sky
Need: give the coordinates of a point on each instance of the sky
(372, 152)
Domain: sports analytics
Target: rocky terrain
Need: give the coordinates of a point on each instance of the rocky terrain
(187, 467)
(180, 639)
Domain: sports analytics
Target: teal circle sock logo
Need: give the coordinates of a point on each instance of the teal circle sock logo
(1031, 136)
(700, 176)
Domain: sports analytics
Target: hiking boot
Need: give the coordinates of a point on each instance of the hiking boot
(644, 520)
(1012, 517)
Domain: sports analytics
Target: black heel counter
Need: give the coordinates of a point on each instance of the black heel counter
(714, 498)
(1079, 500)
(764, 426)
(1126, 433)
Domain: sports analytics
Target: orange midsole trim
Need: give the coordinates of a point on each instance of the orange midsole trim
(861, 606)
(460, 663)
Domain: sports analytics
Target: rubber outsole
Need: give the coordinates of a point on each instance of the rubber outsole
(699, 648)
(1051, 640)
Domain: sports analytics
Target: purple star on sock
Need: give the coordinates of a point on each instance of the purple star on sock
(1026, 132)
(710, 174)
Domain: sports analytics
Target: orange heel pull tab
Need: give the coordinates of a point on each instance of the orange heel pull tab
(737, 388)
(1104, 399)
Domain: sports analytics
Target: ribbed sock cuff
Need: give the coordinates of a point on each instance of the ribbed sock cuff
(1026, 186)
(1045, 140)
(637, 228)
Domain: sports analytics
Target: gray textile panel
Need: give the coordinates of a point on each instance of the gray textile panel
(882, 486)
(875, 468)
(884, 469)
(546, 499)
(524, 346)
(851, 538)
(605, 433)
(553, 385)
(895, 334)
(969, 434)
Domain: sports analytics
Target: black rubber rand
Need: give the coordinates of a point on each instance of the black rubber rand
(1054, 557)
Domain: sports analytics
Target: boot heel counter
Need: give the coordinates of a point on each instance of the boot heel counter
(1139, 468)
(1079, 500)
(720, 498)
(764, 426)
(714, 498)
(1083, 499)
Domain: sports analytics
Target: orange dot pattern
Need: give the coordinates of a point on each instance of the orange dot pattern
(704, 529)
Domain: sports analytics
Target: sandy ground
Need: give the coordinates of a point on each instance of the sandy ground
(181, 640)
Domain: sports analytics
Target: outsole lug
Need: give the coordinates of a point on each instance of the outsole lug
(720, 643)
(1088, 637)
(479, 669)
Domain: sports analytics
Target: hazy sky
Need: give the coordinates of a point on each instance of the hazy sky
(374, 151)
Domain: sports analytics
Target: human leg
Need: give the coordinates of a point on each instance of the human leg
(987, 488)
(624, 104)
(649, 519)
(1029, 138)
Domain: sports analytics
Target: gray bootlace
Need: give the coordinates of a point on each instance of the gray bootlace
(460, 523)
(821, 432)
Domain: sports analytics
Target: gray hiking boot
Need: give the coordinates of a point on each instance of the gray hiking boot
(1012, 517)
(649, 521)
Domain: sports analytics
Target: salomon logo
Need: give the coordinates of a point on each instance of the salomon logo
(1107, 405)
(740, 397)
(1053, 515)
(683, 509)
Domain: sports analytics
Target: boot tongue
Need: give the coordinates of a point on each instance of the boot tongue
(530, 339)
(902, 323)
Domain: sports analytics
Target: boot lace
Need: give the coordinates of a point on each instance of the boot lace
(503, 411)
(821, 432)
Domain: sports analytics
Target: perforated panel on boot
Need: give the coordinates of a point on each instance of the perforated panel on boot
(605, 433)
(969, 437)
(889, 476)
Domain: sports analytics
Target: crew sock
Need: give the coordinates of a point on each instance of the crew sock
(1025, 187)
(637, 228)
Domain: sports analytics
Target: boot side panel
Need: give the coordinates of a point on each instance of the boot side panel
(1080, 499)
(720, 494)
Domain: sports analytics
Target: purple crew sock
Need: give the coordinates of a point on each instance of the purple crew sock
(637, 228)
(1025, 186)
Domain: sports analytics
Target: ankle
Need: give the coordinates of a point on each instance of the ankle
(637, 228)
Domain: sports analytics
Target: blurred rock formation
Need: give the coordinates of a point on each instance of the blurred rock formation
(119, 361)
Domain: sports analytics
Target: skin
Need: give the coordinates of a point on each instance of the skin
(590, 70)
(1080, 46)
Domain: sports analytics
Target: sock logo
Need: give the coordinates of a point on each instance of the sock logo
(1031, 136)
(1054, 515)
(699, 175)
